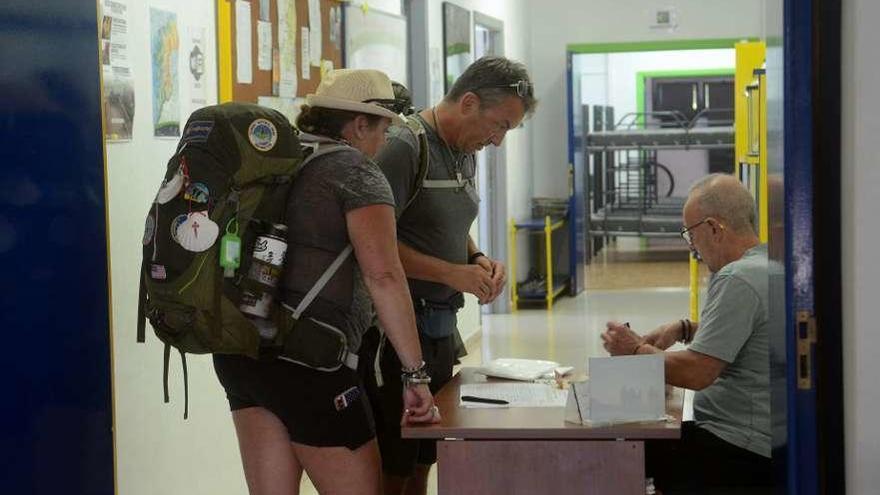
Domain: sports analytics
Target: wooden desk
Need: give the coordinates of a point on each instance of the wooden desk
(533, 450)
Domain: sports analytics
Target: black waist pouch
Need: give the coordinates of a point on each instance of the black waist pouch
(317, 345)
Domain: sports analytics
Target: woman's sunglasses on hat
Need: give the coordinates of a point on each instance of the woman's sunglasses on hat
(393, 104)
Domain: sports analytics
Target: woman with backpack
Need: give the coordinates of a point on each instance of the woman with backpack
(291, 417)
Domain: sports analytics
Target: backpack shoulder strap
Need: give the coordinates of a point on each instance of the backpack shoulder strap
(321, 149)
(418, 131)
(322, 281)
(142, 303)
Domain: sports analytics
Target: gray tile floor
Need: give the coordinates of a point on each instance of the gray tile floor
(569, 333)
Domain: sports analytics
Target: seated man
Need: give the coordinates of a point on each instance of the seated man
(727, 362)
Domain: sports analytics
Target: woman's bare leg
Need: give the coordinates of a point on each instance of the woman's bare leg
(270, 466)
(338, 470)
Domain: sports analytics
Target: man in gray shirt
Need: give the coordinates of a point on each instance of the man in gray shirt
(441, 260)
(727, 362)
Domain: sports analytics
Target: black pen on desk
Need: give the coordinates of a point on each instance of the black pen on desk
(484, 400)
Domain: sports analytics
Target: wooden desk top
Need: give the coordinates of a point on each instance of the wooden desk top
(546, 423)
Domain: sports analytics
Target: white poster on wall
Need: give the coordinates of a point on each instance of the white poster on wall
(336, 26)
(243, 59)
(118, 94)
(264, 10)
(196, 67)
(164, 49)
(304, 59)
(315, 39)
(264, 45)
(287, 36)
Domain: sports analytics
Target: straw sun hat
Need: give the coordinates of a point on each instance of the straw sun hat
(356, 90)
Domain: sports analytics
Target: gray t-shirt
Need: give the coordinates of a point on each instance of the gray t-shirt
(325, 190)
(734, 329)
(438, 221)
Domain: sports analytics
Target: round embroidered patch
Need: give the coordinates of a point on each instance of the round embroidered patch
(197, 192)
(177, 222)
(262, 134)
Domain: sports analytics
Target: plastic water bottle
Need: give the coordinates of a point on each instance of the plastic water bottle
(266, 268)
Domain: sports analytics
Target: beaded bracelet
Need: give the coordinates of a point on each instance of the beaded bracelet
(687, 333)
(415, 376)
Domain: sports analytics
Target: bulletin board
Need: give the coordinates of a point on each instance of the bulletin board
(262, 80)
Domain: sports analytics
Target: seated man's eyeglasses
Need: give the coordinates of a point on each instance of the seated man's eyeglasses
(686, 231)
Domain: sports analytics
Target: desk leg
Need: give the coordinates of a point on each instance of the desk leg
(540, 466)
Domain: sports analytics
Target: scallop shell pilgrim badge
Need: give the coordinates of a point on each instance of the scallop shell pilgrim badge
(197, 233)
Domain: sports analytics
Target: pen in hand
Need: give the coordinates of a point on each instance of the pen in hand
(483, 400)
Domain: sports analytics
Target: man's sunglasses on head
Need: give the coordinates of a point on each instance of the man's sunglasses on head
(522, 87)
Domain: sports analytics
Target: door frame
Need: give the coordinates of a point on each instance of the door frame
(812, 70)
(579, 239)
(492, 180)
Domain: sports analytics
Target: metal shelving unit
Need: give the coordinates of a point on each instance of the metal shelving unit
(557, 283)
(629, 203)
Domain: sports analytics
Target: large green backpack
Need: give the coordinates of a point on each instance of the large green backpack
(231, 175)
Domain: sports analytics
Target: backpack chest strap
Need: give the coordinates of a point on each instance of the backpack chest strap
(444, 183)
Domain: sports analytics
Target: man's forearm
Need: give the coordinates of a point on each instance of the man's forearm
(421, 266)
(686, 369)
(472, 247)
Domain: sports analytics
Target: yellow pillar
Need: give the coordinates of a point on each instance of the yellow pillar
(548, 245)
(224, 50)
(514, 299)
(695, 288)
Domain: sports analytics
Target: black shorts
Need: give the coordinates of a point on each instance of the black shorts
(701, 460)
(307, 401)
(400, 456)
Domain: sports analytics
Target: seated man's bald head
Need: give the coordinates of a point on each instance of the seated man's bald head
(724, 197)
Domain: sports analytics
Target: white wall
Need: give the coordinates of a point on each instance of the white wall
(555, 24)
(623, 67)
(860, 116)
(517, 143)
(156, 450)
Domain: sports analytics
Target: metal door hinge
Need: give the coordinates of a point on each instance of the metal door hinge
(806, 339)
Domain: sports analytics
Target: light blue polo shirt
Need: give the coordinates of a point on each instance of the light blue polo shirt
(734, 328)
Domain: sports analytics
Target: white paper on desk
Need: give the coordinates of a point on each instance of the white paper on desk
(517, 394)
(517, 369)
(243, 58)
(627, 388)
(577, 407)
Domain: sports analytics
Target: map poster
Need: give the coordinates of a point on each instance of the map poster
(118, 90)
(164, 51)
(196, 67)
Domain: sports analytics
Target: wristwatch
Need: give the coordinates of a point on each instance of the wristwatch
(473, 257)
